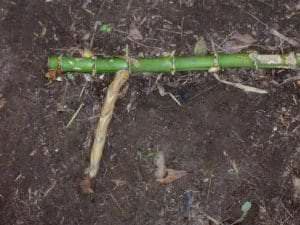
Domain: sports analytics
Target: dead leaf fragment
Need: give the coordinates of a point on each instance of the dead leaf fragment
(172, 175)
(134, 33)
(238, 42)
(245, 38)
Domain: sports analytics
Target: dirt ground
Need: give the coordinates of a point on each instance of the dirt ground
(237, 147)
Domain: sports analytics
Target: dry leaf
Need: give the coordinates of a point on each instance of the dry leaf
(238, 42)
(172, 175)
(245, 38)
(134, 33)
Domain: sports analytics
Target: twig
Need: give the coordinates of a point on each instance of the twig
(169, 31)
(291, 41)
(50, 189)
(174, 98)
(162, 92)
(82, 91)
(291, 79)
(75, 115)
(243, 87)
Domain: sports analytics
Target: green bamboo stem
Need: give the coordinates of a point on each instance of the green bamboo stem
(173, 64)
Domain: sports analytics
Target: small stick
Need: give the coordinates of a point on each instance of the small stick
(291, 79)
(104, 120)
(291, 41)
(75, 115)
(243, 87)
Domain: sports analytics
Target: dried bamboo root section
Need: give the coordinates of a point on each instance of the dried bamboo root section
(102, 127)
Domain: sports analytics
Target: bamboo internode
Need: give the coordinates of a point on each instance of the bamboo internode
(172, 64)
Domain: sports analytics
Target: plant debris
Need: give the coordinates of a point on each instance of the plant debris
(134, 33)
(243, 87)
(163, 174)
(162, 92)
(74, 115)
(289, 40)
(238, 42)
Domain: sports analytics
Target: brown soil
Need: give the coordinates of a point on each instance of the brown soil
(235, 146)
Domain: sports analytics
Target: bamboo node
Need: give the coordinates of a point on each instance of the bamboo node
(214, 69)
(94, 69)
(253, 57)
(216, 64)
(173, 70)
